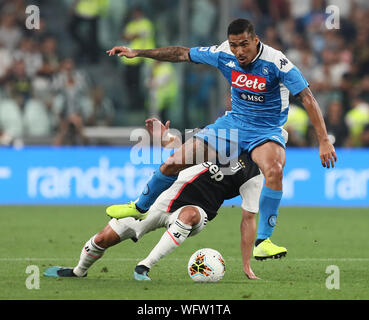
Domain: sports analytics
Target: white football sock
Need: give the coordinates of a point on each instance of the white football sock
(90, 253)
(171, 239)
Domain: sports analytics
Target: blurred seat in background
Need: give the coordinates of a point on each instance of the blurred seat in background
(11, 116)
(37, 119)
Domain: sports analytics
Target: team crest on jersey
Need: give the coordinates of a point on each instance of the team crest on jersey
(239, 165)
(265, 71)
(248, 81)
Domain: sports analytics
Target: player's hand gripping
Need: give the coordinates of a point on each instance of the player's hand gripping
(327, 154)
(156, 128)
(160, 132)
(122, 51)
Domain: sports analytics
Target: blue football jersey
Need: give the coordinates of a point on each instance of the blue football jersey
(260, 91)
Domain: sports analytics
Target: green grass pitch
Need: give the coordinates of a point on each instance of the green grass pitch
(315, 238)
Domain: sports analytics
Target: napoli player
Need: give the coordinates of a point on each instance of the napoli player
(261, 79)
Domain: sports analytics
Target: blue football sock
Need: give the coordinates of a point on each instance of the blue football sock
(268, 211)
(157, 184)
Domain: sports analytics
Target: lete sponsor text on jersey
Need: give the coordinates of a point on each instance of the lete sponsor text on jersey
(248, 81)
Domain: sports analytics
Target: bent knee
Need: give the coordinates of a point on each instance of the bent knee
(190, 215)
(274, 171)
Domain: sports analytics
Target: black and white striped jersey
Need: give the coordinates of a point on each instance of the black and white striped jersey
(207, 185)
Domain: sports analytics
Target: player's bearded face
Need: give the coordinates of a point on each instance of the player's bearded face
(244, 47)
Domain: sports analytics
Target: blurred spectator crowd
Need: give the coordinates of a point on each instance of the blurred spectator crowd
(42, 92)
(57, 80)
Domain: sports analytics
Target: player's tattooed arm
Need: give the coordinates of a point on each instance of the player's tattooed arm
(326, 150)
(312, 107)
(169, 54)
(306, 96)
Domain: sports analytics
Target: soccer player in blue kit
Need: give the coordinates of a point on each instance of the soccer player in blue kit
(261, 80)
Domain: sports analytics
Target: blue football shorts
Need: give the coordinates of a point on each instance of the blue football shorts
(230, 138)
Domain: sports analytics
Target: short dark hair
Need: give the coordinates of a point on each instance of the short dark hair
(239, 26)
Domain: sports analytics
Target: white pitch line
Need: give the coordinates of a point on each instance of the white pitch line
(178, 259)
(59, 259)
(331, 259)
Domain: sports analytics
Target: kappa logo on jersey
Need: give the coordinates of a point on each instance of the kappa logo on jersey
(248, 82)
(231, 64)
(214, 170)
(283, 62)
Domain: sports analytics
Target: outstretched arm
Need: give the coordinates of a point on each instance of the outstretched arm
(326, 150)
(170, 54)
(248, 232)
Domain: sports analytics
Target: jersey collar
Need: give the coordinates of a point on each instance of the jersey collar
(261, 48)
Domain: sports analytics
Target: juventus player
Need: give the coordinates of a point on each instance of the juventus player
(184, 210)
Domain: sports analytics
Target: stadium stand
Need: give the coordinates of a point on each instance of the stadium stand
(46, 72)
